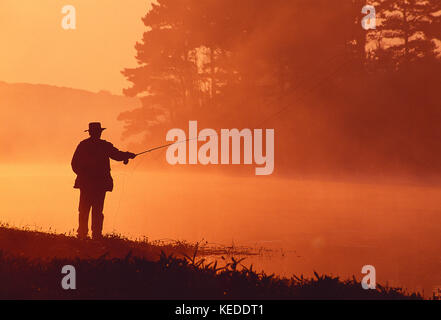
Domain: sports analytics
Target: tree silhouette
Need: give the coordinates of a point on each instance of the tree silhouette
(407, 29)
(306, 68)
(234, 60)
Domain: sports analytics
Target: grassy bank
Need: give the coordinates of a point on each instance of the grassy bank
(31, 263)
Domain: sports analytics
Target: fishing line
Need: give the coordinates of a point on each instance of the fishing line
(119, 200)
(176, 142)
(126, 177)
(271, 116)
(274, 115)
(316, 86)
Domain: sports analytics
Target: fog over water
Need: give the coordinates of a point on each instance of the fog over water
(326, 226)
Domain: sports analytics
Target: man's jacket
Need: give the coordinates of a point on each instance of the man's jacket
(91, 163)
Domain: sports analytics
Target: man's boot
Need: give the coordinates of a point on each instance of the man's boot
(97, 226)
(83, 220)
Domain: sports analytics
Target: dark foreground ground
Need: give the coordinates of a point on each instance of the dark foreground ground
(31, 264)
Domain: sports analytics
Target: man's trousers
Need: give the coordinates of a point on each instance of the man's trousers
(91, 199)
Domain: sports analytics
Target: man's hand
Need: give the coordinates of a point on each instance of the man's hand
(129, 155)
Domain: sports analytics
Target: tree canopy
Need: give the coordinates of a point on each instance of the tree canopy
(307, 68)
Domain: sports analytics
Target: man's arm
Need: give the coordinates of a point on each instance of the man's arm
(118, 155)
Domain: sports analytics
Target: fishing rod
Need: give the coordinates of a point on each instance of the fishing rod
(169, 144)
(156, 148)
(150, 150)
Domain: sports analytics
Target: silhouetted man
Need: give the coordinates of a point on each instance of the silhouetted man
(92, 165)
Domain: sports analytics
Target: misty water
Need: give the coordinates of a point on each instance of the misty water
(326, 226)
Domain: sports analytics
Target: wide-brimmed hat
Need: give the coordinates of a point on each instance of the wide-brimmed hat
(94, 126)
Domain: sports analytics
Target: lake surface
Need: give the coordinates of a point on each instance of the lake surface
(330, 227)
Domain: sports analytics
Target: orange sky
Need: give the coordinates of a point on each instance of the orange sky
(35, 49)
